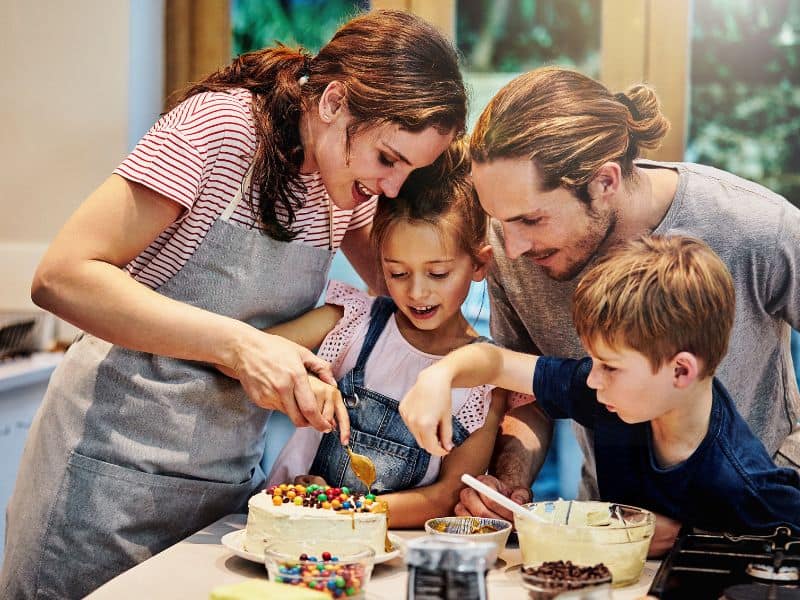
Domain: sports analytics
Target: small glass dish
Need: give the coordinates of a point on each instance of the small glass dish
(340, 569)
(550, 579)
(473, 529)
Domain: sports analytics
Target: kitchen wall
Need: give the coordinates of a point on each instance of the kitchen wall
(82, 80)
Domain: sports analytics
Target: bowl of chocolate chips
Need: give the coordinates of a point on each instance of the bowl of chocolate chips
(587, 533)
(552, 578)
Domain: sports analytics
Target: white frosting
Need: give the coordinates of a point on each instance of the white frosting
(267, 523)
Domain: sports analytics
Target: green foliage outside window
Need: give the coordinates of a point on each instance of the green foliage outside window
(307, 23)
(520, 35)
(745, 90)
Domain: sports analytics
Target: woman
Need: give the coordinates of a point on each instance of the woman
(225, 217)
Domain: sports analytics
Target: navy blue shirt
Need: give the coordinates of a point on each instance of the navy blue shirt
(729, 483)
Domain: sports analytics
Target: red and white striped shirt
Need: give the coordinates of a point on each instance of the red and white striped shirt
(197, 155)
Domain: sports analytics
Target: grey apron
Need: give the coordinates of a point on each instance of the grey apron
(131, 452)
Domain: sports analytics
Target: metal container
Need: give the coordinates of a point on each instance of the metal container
(445, 569)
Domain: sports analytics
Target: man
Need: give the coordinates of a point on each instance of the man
(554, 164)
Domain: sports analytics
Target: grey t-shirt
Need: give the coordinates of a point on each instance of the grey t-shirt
(757, 235)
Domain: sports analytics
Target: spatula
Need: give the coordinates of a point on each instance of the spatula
(507, 503)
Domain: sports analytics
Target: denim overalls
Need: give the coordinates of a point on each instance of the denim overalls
(377, 430)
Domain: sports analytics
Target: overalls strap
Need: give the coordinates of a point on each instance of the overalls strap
(382, 309)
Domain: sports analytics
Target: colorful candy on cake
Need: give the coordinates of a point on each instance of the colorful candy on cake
(295, 512)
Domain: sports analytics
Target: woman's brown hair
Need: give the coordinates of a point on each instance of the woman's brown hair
(395, 67)
(569, 125)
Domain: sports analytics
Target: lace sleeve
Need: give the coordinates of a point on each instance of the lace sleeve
(516, 399)
(473, 413)
(356, 304)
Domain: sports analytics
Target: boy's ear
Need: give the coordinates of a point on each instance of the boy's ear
(332, 101)
(685, 369)
(485, 255)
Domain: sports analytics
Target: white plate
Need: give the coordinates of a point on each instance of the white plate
(234, 541)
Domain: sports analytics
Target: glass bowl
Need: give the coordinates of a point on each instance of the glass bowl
(553, 578)
(340, 569)
(587, 533)
(474, 529)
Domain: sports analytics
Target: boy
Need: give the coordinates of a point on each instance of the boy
(655, 316)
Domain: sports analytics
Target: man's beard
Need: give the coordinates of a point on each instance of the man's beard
(589, 246)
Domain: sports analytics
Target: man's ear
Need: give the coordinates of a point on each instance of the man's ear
(606, 182)
(481, 265)
(333, 102)
(685, 369)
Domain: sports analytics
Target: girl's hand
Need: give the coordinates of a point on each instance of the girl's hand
(307, 480)
(332, 406)
(274, 373)
(427, 411)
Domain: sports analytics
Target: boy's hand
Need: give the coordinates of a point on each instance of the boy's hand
(664, 536)
(331, 406)
(427, 411)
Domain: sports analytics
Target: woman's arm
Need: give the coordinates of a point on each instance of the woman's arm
(411, 508)
(358, 250)
(81, 279)
(426, 407)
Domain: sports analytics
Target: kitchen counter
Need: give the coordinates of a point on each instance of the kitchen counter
(193, 567)
(27, 370)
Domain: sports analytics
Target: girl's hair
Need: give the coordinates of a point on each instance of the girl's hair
(658, 296)
(569, 125)
(395, 68)
(439, 195)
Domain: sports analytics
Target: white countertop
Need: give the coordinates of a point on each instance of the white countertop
(25, 370)
(193, 567)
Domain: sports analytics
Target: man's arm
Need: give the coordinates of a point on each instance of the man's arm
(525, 432)
(519, 453)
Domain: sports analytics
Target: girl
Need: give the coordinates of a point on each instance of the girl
(431, 243)
(178, 260)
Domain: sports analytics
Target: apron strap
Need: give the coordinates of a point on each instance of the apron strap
(226, 214)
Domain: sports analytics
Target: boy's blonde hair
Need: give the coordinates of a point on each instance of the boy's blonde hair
(658, 296)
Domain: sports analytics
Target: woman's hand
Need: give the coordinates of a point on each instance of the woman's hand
(427, 410)
(307, 480)
(274, 373)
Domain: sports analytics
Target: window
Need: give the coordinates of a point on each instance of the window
(501, 39)
(745, 91)
(307, 23)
